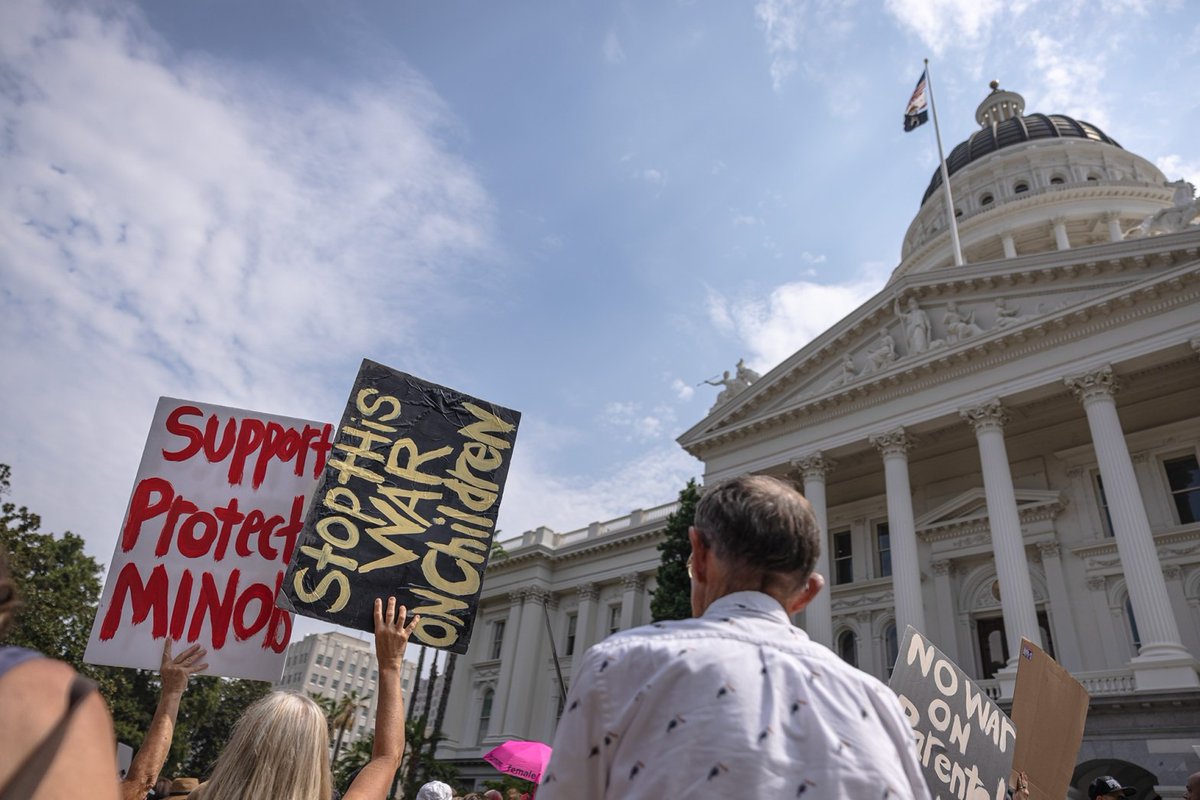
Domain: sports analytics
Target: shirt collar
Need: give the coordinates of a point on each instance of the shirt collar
(755, 604)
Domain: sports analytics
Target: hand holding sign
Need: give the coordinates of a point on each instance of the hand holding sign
(391, 633)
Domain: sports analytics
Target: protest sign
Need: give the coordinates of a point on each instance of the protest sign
(406, 507)
(964, 740)
(1049, 709)
(218, 503)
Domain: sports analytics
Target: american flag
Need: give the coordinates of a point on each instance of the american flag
(917, 112)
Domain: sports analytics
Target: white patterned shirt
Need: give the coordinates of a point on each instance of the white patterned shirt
(737, 704)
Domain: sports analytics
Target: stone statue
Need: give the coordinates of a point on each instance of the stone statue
(744, 374)
(1170, 220)
(959, 327)
(1006, 317)
(847, 374)
(917, 330)
(882, 354)
(732, 387)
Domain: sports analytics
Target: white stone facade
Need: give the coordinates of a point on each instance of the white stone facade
(1000, 450)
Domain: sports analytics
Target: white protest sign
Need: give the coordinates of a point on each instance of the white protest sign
(219, 500)
(965, 743)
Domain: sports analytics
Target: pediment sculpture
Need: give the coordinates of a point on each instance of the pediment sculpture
(1180, 215)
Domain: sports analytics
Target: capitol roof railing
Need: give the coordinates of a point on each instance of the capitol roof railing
(616, 525)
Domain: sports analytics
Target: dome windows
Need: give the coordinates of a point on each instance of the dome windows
(1020, 187)
(1057, 180)
(986, 199)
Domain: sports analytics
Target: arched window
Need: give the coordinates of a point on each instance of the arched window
(1057, 180)
(1020, 187)
(891, 647)
(986, 200)
(957, 213)
(485, 715)
(847, 647)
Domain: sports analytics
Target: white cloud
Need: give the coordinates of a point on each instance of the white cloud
(1176, 167)
(781, 21)
(638, 424)
(614, 53)
(775, 327)
(539, 494)
(682, 390)
(944, 23)
(171, 226)
(1071, 82)
(652, 176)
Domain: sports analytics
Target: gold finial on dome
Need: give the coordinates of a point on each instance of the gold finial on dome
(995, 85)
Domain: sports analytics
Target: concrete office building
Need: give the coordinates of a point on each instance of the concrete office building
(332, 665)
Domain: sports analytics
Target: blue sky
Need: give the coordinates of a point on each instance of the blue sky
(576, 209)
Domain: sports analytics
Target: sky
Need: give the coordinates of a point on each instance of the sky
(580, 210)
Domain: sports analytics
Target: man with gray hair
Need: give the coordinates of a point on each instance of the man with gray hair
(736, 702)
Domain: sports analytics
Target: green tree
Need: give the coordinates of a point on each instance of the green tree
(673, 594)
(344, 714)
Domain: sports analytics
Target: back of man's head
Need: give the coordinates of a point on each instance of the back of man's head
(492, 794)
(757, 523)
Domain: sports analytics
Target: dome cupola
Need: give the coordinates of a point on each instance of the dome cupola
(1029, 183)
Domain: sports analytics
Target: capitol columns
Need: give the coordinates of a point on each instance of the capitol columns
(633, 588)
(525, 661)
(585, 623)
(906, 569)
(1163, 662)
(1008, 545)
(818, 617)
(508, 653)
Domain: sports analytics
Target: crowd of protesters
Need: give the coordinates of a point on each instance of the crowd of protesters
(735, 702)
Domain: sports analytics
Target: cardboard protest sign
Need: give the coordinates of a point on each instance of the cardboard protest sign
(1049, 709)
(219, 501)
(406, 507)
(964, 741)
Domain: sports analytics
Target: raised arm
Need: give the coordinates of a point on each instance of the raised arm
(173, 674)
(392, 629)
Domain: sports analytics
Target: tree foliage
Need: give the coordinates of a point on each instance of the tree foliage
(673, 592)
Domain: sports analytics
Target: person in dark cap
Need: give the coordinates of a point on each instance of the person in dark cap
(1106, 787)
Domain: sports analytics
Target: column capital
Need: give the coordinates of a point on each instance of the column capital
(588, 591)
(1096, 583)
(815, 466)
(1172, 572)
(863, 616)
(942, 566)
(516, 597)
(537, 594)
(1049, 549)
(1111, 216)
(1059, 220)
(989, 416)
(633, 581)
(893, 443)
(1093, 385)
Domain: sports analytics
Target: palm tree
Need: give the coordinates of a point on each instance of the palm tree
(343, 716)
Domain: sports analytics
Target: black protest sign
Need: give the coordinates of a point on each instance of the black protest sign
(965, 743)
(406, 507)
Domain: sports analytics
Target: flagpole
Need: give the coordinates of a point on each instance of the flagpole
(958, 257)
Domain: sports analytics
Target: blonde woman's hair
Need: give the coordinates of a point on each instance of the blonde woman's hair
(279, 750)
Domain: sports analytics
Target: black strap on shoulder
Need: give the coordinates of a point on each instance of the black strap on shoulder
(29, 774)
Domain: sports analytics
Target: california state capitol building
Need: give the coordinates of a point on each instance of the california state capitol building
(997, 450)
